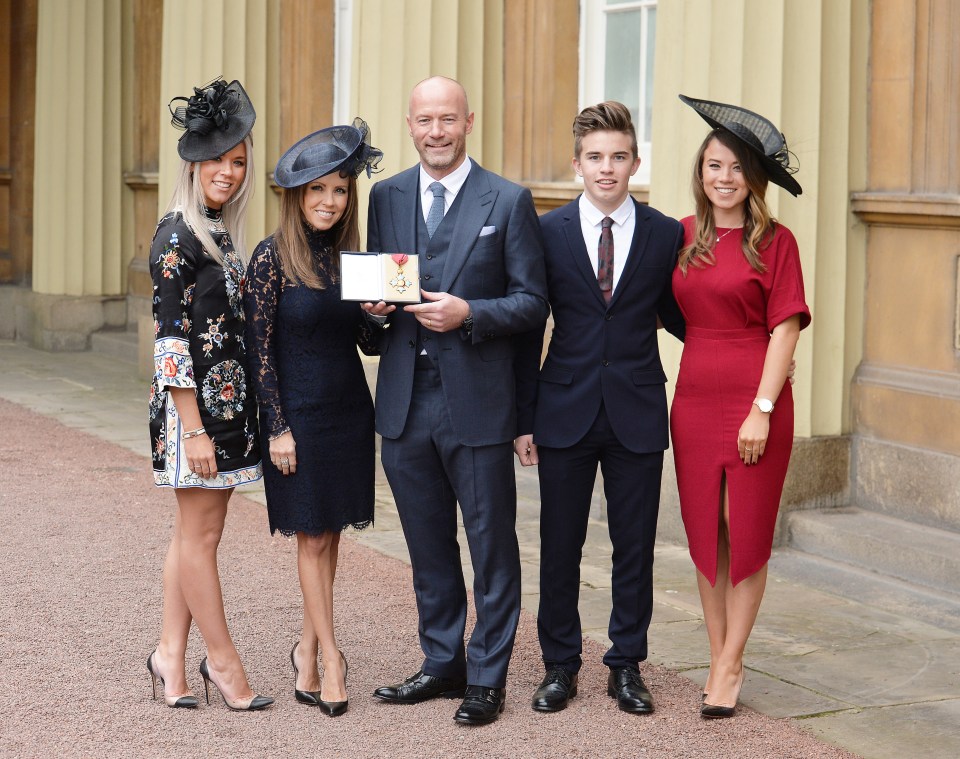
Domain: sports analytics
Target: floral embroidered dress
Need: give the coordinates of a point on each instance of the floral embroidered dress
(198, 325)
(309, 379)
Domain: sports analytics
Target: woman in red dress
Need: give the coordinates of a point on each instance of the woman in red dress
(739, 286)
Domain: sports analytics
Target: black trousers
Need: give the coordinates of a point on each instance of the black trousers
(631, 484)
(430, 472)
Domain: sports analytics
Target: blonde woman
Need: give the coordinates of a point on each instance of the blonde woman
(202, 416)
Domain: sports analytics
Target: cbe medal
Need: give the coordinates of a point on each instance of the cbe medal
(400, 282)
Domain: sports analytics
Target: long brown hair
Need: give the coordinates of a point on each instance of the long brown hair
(758, 224)
(290, 238)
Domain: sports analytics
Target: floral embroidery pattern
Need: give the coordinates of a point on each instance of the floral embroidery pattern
(225, 389)
(234, 278)
(213, 336)
(155, 403)
(170, 257)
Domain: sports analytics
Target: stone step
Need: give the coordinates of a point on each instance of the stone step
(861, 586)
(894, 548)
(120, 344)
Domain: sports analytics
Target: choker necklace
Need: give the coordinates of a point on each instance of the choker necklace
(720, 237)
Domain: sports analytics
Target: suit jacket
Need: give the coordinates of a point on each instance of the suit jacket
(600, 351)
(501, 274)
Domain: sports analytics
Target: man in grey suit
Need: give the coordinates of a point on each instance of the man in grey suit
(446, 398)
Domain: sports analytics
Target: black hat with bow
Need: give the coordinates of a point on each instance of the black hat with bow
(215, 119)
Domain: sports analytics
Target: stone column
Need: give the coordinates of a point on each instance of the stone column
(77, 174)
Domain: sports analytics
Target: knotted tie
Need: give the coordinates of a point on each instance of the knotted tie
(435, 216)
(605, 259)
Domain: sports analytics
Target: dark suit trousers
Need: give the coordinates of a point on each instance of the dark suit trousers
(429, 472)
(631, 484)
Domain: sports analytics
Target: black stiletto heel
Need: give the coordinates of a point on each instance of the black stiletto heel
(336, 708)
(255, 704)
(174, 702)
(309, 697)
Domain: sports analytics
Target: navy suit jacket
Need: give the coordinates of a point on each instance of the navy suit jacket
(500, 274)
(600, 351)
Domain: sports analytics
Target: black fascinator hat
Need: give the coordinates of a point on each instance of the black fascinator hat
(757, 133)
(215, 119)
(345, 149)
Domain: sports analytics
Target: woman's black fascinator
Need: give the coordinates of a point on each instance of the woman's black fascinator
(345, 149)
(215, 119)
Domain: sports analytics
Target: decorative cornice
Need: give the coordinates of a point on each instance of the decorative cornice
(907, 209)
(910, 380)
(141, 180)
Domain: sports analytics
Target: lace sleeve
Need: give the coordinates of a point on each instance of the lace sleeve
(260, 307)
(368, 334)
(174, 274)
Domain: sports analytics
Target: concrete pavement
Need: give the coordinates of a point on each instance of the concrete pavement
(876, 683)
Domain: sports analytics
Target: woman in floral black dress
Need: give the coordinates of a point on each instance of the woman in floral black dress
(316, 414)
(202, 416)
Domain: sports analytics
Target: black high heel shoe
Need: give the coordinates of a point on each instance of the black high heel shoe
(174, 702)
(716, 711)
(254, 704)
(335, 708)
(309, 697)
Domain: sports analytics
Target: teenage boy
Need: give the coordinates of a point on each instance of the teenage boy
(600, 399)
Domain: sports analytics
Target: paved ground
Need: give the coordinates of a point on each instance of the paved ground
(84, 533)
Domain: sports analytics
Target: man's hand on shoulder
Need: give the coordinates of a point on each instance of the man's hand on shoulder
(440, 312)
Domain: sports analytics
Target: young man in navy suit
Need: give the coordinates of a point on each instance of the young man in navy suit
(599, 399)
(446, 402)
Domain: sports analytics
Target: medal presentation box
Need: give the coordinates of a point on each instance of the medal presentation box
(372, 277)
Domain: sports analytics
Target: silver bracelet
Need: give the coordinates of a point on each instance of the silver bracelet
(194, 433)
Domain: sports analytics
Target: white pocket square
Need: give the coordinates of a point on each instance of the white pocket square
(484, 231)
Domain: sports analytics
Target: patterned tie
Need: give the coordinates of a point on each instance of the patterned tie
(435, 216)
(605, 259)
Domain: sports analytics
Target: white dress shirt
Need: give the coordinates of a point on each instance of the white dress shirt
(624, 222)
(452, 183)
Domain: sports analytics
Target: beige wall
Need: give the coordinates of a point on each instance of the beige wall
(802, 65)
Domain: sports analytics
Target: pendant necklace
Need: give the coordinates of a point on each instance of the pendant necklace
(720, 237)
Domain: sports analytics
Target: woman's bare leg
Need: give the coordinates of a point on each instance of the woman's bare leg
(169, 659)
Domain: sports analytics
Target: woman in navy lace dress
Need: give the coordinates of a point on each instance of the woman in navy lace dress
(202, 422)
(316, 414)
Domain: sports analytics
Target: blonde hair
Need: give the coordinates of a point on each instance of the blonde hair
(758, 225)
(188, 199)
(290, 238)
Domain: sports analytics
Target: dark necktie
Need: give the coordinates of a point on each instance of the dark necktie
(605, 258)
(435, 215)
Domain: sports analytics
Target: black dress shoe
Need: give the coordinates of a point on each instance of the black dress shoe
(556, 690)
(626, 685)
(481, 705)
(421, 687)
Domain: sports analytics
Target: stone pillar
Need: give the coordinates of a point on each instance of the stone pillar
(77, 174)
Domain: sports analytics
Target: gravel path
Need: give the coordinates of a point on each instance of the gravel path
(83, 538)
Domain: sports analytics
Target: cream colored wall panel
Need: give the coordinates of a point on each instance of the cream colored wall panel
(77, 172)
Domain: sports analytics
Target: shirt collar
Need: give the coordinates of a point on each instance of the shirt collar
(452, 182)
(594, 216)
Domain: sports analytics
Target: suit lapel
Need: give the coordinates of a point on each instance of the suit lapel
(573, 233)
(641, 233)
(476, 204)
(404, 207)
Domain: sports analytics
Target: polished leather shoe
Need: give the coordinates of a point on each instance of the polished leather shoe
(626, 685)
(556, 690)
(421, 687)
(481, 705)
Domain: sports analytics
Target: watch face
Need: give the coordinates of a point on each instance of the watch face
(765, 405)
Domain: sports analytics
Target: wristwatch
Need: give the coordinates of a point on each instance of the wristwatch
(467, 324)
(764, 404)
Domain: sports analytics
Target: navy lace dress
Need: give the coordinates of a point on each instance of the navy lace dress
(309, 379)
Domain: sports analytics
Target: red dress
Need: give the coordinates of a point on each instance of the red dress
(730, 310)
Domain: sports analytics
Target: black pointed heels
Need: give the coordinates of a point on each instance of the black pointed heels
(312, 697)
(255, 703)
(174, 702)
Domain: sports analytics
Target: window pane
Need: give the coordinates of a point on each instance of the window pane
(648, 91)
(622, 69)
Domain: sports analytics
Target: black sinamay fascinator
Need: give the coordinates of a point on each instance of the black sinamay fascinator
(215, 119)
(757, 133)
(345, 149)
